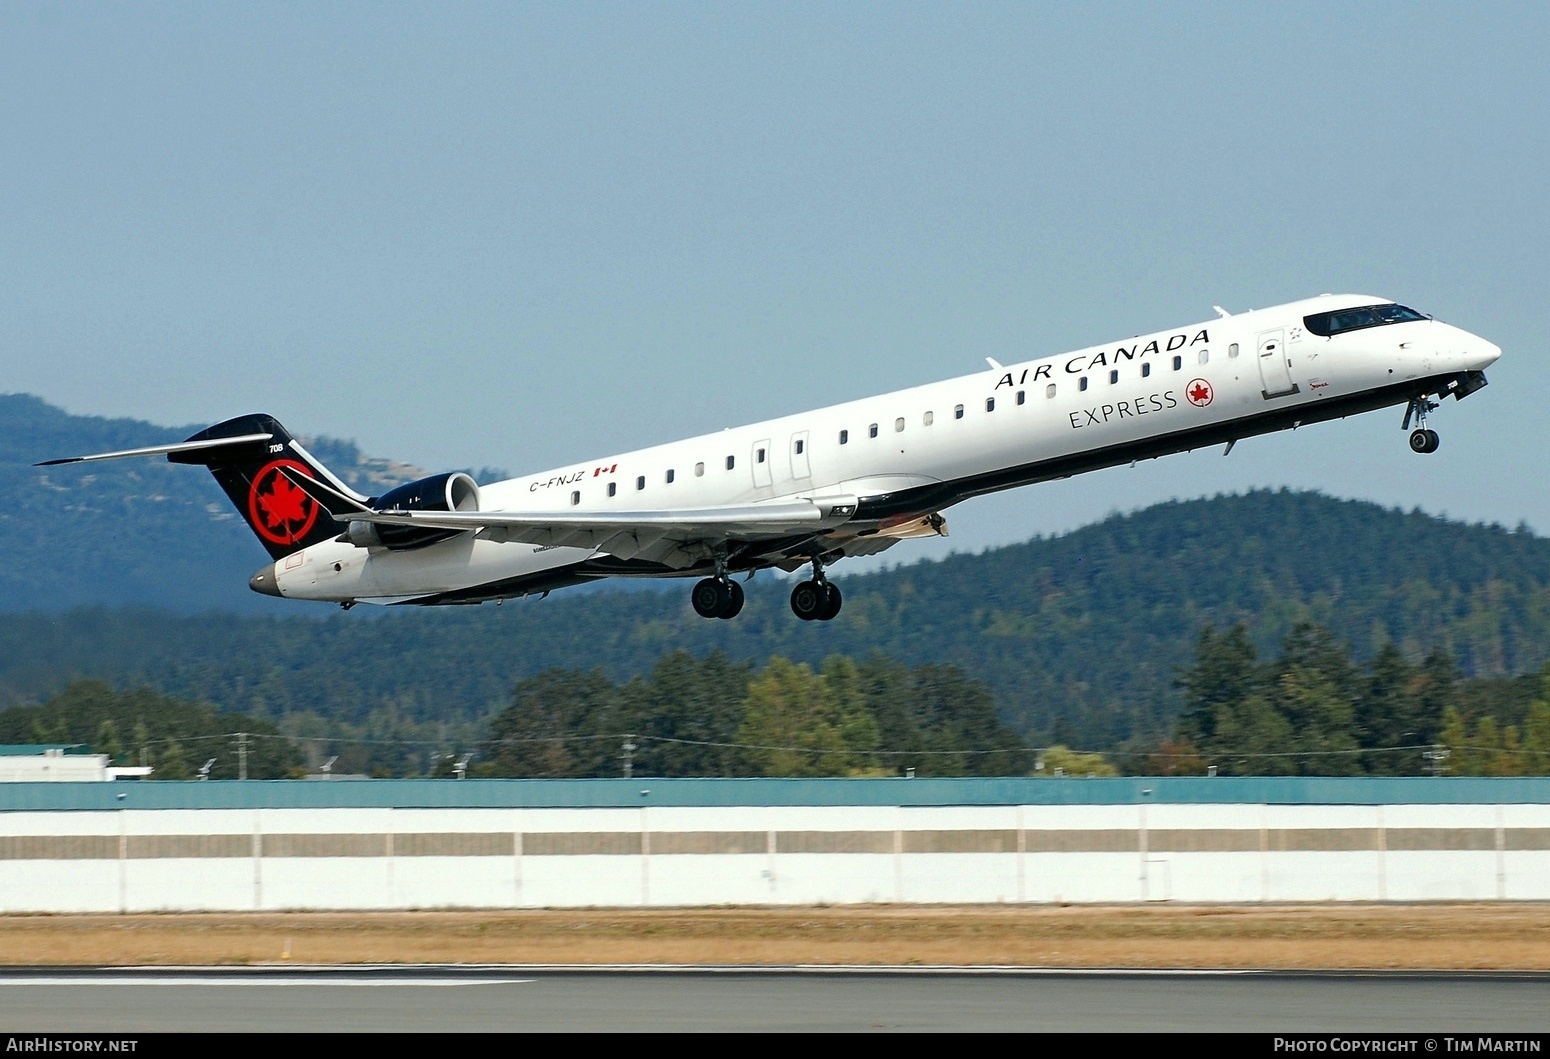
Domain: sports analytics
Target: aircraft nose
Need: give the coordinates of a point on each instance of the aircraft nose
(1466, 349)
(265, 581)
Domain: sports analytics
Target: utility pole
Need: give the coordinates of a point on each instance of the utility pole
(242, 755)
(1436, 759)
(629, 756)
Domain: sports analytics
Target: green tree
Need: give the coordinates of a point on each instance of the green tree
(174, 736)
(1225, 671)
(1435, 690)
(107, 741)
(1387, 715)
(1454, 737)
(1313, 690)
(687, 714)
(847, 700)
(790, 725)
(1254, 739)
(560, 724)
(1536, 740)
(939, 721)
(1068, 762)
(172, 762)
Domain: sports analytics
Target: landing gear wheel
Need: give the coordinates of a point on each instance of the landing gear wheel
(832, 607)
(1424, 441)
(734, 600)
(712, 597)
(809, 600)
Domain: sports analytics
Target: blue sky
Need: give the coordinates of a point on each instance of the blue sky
(526, 235)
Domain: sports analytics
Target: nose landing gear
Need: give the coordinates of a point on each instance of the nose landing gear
(1422, 440)
(816, 600)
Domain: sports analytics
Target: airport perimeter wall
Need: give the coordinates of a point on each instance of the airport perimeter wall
(406, 844)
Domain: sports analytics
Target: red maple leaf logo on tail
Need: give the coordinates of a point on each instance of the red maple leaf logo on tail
(280, 512)
(283, 503)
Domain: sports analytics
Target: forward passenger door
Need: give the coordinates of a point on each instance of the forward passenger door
(1275, 368)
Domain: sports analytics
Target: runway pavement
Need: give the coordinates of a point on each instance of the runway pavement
(449, 999)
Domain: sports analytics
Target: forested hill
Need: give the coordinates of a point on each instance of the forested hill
(1080, 636)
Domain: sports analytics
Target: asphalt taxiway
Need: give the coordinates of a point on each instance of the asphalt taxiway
(450, 999)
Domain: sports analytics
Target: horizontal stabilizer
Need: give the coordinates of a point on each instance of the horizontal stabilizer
(162, 450)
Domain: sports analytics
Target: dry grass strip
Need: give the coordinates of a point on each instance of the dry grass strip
(1436, 936)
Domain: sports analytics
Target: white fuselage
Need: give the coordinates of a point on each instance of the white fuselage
(943, 442)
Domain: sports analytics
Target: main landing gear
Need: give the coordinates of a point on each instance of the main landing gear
(717, 597)
(1421, 439)
(816, 600)
(721, 597)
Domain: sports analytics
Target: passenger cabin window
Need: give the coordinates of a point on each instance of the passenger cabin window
(575, 497)
(928, 419)
(958, 411)
(699, 470)
(898, 425)
(640, 483)
(1327, 325)
(990, 404)
(1146, 370)
(1205, 356)
(1178, 362)
(758, 455)
(731, 462)
(1113, 377)
(800, 446)
(872, 430)
(1049, 391)
(1232, 351)
(1021, 397)
(1081, 384)
(613, 488)
(670, 476)
(844, 437)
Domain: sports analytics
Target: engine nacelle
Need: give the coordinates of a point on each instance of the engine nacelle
(453, 491)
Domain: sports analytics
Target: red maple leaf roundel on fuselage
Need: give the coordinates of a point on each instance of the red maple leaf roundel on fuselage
(279, 511)
(1198, 393)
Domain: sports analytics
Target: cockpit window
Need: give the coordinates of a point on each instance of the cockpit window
(1342, 320)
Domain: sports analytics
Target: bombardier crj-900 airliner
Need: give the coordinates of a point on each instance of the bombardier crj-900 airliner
(851, 479)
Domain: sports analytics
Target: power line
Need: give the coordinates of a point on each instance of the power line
(617, 737)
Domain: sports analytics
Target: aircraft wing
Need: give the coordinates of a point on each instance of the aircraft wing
(674, 536)
(734, 521)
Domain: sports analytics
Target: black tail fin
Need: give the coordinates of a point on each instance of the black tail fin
(283, 517)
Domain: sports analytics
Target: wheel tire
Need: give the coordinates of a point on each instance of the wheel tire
(832, 607)
(734, 600)
(808, 600)
(1433, 441)
(1419, 442)
(710, 598)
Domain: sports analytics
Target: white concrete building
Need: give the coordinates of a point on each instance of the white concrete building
(58, 763)
(402, 844)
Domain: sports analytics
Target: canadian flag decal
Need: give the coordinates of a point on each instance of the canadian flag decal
(610, 469)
